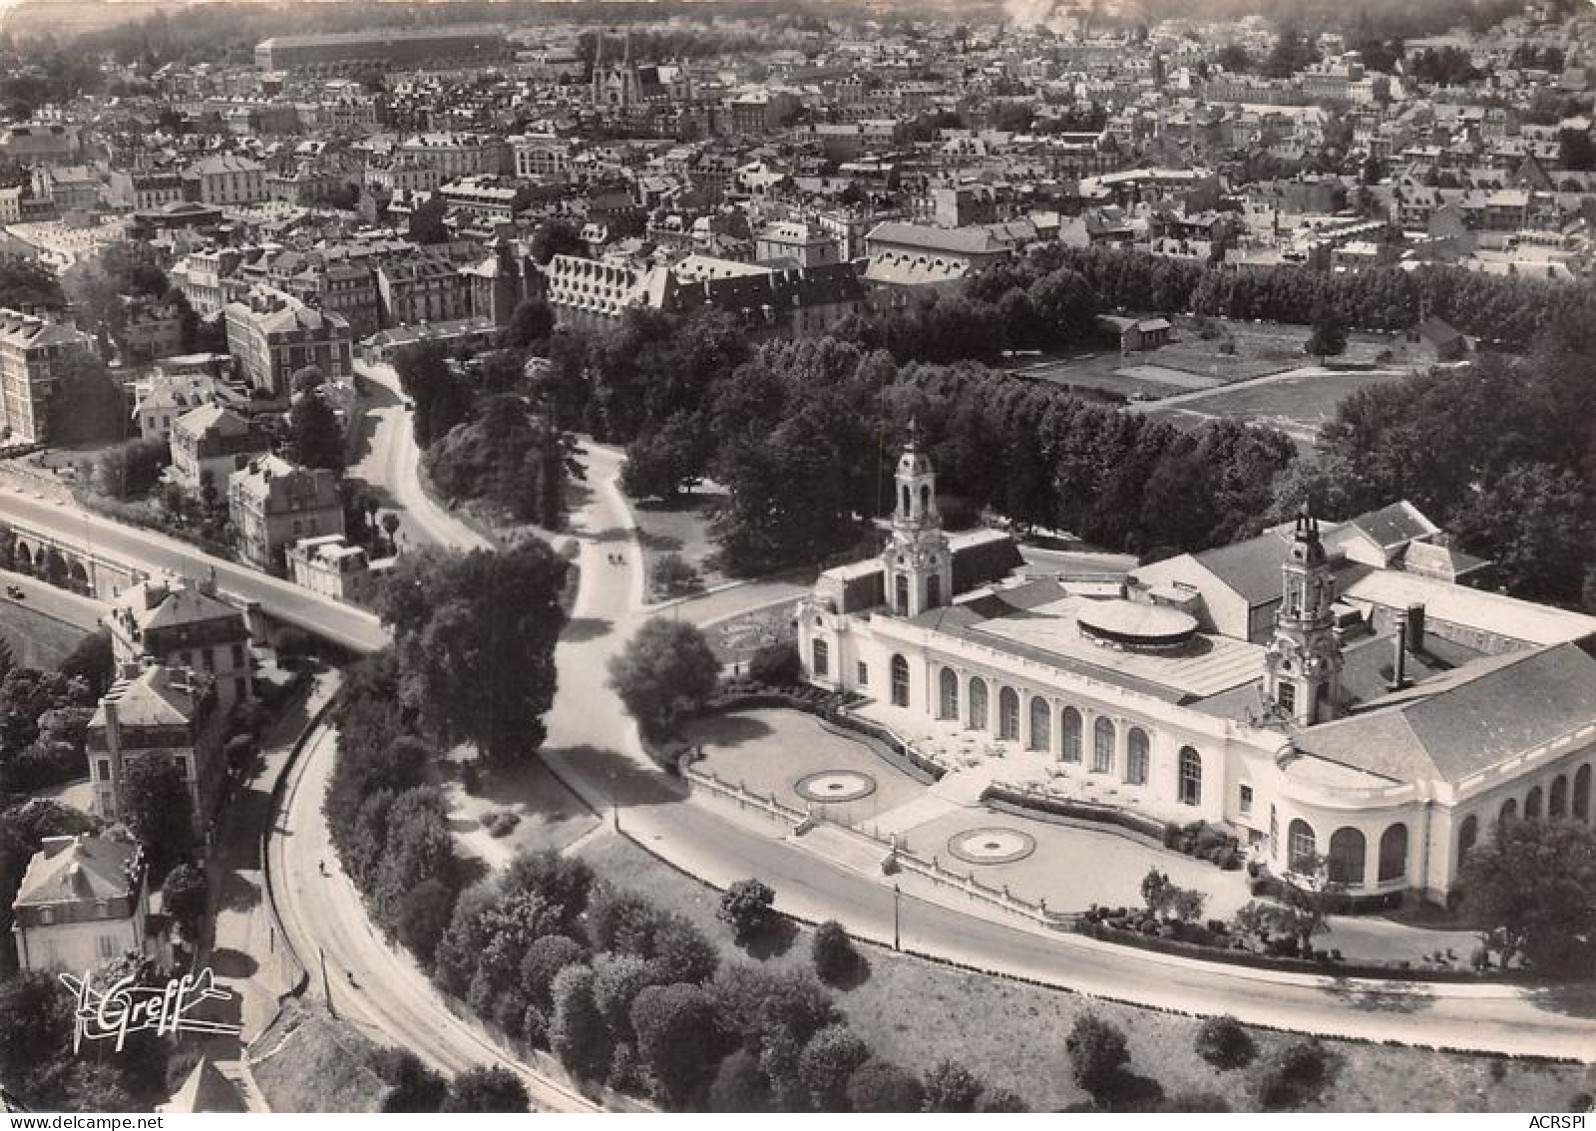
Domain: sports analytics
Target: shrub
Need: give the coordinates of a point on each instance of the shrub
(950, 1087)
(1291, 1074)
(775, 665)
(1001, 1101)
(1224, 1043)
(834, 955)
(877, 1086)
(672, 575)
(1097, 1052)
(747, 907)
(501, 822)
(827, 1064)
(677, 1038)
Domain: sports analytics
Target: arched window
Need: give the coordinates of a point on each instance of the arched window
(1394, 853)
(1072, 735)
(925, 500)
(1532, 805)
(1103, 746)
(820, 657)
(1346, 856)
(1301, 846)
(977, 704)
(900, 595)
(1191, 776)
(1509, 811)
(948, 694)
(933, 591)
(905, 501)
(1557, 800)
(1582, 793)
(1041, 724)
(900, 682)
(1467, 833)
(1136, 756)
(1008, 714)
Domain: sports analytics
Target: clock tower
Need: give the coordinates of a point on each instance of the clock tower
(917, 561)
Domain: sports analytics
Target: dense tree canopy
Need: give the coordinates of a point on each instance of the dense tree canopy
(1532, 886)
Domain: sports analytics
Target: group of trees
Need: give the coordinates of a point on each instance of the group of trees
(44, 719)
(1497, 453)
(491, 424)
(804, 435)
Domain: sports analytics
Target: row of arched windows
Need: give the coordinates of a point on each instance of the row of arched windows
(1559, 801)
(1345, 861)
(1038, 735)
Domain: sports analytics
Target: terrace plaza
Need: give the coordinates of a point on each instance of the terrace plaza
(1336, 696)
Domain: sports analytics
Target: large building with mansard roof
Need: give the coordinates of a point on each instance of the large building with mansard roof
(1344, 694)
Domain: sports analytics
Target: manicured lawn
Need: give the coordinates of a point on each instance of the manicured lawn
(551, 817)
(681, 527)
(1299, 403)
(1011, 1034)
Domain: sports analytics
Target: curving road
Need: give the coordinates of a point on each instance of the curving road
(374, 986)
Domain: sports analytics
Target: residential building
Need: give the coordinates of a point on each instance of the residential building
(273, 335)
(83, 901)
(184, 625)
(225, 178)
(208, 444)
(33, 354)
(274, 503)
(331, 566)
(160, 713)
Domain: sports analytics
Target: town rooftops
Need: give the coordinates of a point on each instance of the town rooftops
(951, 241)
(31, 332)
(161, 604)
(78, 869)
(211, 418)
(1493, 613)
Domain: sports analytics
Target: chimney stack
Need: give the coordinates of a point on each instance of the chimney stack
(1399, 658)
(1416, 628)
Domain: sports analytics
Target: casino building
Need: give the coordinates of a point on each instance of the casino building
(1330, 693)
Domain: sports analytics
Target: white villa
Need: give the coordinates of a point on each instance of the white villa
(1331, 694)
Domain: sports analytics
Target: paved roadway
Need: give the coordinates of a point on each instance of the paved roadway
(62, 604)
(392, 461)
(376, 987)
(153, 552)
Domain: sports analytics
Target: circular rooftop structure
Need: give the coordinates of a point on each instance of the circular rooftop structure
(1132, 624)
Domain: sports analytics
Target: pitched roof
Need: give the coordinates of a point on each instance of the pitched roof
(1484, 717)
(958, 241)
(77, 870)
(205, 1090)
(158, 696)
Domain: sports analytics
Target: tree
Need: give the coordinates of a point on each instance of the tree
(531, 321)
(157, 807)
(416, 1088)
(740, 1085)
(555, 237)
(833, 953)
(318, 439)
(390, 527)
(755, 1004)
(1097, 1051)
(663, 463)
(877, 1086)
(131, 468)
(1224, 1043)
(1170, 901)
(426, 222)
(307, 380)
(950, 1087)
(424, 914)
(35, 1033)
(667, 670)
(1532, 888)
(183, 898)
(1534, 523)
(827, 1063)
(776, 664)
(442, 396)
(1328, 337)
(748, 908)
(544, 960)
(479, 1090)
(577, 1033)
(677, 1038)
(475, 637)
(28, 283)
(86, 403)
(1291, 1074)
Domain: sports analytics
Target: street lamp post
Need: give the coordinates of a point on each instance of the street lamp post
(897, 899)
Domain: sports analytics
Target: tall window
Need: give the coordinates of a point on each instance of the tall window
(1136, 756)
(1072, 735)
(1103, 747)
(977, 704)
(820, 657)
(901, 595)
(900, 682)
(1346, 856)
(1191, 776)
(948, 694)
(1582, 793)
(1245, 800)
(933, 591)
(1467, 833)
(1041, 724)
(1288, 697)
(1557, 800)
(1301, 846)
(1008, 714)
(1394, 852)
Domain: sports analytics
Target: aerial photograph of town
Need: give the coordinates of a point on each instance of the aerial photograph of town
(806, 556)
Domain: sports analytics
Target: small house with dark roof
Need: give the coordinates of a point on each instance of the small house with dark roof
(82, 902)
